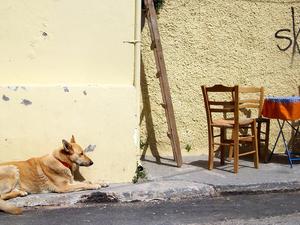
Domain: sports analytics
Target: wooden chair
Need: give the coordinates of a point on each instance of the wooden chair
(250, 99)
(216, 108)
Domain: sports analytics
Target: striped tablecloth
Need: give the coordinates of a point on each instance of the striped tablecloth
(284, 108)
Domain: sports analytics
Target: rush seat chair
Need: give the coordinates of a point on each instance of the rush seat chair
(252, 98)
(220, 101)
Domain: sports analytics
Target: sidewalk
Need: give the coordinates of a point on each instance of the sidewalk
(165, 181)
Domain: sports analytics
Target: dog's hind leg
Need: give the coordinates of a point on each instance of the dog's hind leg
(9, 208)
(9, 180)
(13, 194)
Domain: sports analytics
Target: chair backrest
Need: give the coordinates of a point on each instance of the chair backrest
(251, 98)
(221, 99)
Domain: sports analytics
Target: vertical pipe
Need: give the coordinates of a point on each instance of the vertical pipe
(137, 68)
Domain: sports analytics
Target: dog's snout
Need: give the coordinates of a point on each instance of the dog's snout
(91, 163)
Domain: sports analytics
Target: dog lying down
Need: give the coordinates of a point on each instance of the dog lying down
(49, 173)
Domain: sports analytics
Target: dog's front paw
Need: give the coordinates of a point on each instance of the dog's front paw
(104, 184)
(95, 186)
(23, 193)
(87, 182)
(100, 185)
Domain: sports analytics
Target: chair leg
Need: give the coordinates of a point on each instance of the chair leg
(259, 138)
(211, 149)
(255, 145)
(222, 147)
(267, 137)
(236, 150)
(230, 150)
(236, 158)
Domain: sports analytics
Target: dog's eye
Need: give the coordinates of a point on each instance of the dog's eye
(81, 153)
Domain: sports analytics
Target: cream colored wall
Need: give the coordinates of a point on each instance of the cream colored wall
(34, 120)
(216, 41)
(66, 41)
(66, 68)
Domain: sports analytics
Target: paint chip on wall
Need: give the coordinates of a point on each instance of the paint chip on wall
(26, 102)
(5, 98)
(90, 148)
(66, 89)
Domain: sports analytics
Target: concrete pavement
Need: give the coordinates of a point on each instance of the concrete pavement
(166, 181)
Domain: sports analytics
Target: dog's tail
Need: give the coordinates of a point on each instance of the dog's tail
(9, 208)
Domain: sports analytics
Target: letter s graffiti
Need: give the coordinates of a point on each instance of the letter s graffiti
(282, 36)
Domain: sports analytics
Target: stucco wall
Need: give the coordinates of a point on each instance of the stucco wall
(207, 42)
(66, 67)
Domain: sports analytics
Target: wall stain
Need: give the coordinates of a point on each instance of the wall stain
(84, 92)
(90, 148)
(66, 89)
(5, 98)
(26, 102)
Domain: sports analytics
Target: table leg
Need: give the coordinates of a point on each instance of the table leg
(296, 130)
(280, 131)
(287, 151)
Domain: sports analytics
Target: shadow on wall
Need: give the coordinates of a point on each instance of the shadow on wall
(146, 113)
(78, 176)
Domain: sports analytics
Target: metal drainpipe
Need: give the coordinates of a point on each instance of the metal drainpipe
(137, 67)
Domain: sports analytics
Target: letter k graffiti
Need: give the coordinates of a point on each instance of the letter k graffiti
(295, 42)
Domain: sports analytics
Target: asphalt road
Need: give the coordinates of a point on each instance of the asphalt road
(278, 208)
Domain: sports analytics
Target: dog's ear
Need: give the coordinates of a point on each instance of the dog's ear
(72, 139)
(67, 146)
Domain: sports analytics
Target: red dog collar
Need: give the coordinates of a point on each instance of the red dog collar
(65, 164)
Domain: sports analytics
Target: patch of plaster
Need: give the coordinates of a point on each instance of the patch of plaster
(5, 98)
(13, 88)
(26, 102)
(90, 148)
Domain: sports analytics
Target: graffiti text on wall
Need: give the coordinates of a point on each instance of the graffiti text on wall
(291, 39)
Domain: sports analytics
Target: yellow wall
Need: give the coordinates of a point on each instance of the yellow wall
(97, 115)
(66, 69)
(84, 41)
(216, 41)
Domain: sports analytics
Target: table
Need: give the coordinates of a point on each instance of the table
(284, 110)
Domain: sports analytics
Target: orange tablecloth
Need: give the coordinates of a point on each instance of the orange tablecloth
(284, 108)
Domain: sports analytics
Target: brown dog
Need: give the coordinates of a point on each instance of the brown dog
(50, 173)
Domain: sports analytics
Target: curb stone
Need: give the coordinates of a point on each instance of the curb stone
(289, 186)
(164, 190)
(150, 191)
(126, 193)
